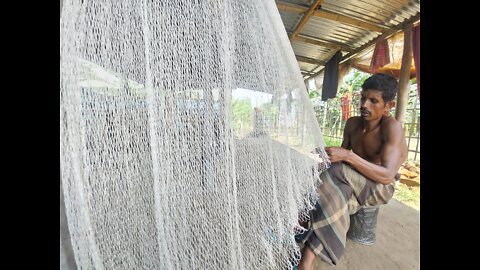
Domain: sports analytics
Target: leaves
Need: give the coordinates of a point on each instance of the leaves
(313, 94)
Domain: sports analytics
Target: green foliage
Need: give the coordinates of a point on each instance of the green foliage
(332, 141)
(313, 94)
(269, 109)
(352, 82)
(242, 110)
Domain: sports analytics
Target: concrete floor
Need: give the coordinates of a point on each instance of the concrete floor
(397, 245)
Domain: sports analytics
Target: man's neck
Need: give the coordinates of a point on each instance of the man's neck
(371, 125)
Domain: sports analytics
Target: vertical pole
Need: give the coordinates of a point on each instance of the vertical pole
(404, 81)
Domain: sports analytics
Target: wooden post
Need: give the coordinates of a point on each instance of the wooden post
(404, 81)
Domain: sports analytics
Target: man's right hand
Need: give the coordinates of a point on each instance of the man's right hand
(337, 154)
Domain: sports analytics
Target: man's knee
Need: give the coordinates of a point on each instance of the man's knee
(336, 173)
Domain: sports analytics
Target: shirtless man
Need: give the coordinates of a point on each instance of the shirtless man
(366, 173)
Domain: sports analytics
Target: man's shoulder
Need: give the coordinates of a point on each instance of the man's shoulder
(389, 121)
(352, 126)
(390, 125)
(354, 119)
(353, 122)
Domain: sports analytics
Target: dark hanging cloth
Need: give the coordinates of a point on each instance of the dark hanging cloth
(330, 79)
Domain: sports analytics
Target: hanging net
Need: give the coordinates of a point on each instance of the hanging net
(187, 137)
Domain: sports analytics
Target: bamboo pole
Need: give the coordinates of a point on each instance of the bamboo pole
(404, 80)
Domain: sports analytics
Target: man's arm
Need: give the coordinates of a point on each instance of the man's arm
(346, 143)
(392, 155)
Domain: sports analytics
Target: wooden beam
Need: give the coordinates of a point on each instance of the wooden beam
(404, 80)
(305, 18)
(329, 15)
(306, 72)
(310, 60)
(309, 40)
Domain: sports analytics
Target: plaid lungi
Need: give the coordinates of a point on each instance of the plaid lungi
(343, 192)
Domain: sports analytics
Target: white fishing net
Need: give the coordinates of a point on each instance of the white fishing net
(186, 135)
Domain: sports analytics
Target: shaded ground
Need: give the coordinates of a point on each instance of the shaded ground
(397, 245)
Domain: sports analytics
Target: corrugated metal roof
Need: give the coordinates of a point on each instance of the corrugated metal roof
(312, 51)
(347, 25)
(352, 36)
(384, 12)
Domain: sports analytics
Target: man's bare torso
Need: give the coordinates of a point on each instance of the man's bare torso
(366, 143)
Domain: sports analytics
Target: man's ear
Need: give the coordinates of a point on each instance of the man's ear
(390, 104)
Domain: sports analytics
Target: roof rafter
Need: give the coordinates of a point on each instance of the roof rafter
(310, 60)
(306, 72)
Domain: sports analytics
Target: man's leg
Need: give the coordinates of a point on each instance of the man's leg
(329, 220)
(306, 263)
(366, 191)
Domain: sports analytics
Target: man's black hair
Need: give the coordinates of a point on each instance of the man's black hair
(385, 83)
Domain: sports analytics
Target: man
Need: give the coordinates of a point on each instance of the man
(361, 177)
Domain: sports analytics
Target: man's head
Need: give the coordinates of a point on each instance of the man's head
(378, 92)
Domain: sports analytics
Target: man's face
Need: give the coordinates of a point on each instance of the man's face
(372, 105)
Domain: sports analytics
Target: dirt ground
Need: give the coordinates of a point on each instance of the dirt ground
(397, 245)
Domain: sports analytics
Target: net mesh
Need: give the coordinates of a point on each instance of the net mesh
(186, 135)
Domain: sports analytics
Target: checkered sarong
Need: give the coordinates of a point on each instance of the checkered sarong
(343, 192)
